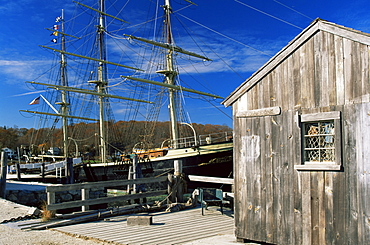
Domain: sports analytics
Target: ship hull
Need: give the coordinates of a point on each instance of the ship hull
(210, 160)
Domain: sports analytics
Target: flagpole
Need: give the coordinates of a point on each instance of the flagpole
(51, 106)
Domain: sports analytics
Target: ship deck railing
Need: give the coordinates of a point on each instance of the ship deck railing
(205, 139)
(85, 202)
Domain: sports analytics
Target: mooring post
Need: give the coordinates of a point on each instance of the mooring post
(4, 166)
(134, 174)
(85, 195)
(171, 188)
(180, 187)
(177, 183)
(18, 165)
(135, 189)
(43, 172)
(129, 176)
(69, 170)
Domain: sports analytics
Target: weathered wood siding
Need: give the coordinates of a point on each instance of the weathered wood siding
(325, 71)
(277, 204)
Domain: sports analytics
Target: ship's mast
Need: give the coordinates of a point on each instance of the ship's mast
(170, 75)
(64, 104)
(101, 83)
(169, 72)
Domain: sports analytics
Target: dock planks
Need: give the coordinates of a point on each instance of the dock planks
(168, 228)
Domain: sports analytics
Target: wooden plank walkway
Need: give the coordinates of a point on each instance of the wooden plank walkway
(167, 228)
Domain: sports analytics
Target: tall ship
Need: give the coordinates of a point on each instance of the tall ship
(110, 64)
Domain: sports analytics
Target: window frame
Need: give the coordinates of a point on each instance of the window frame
(316, 118)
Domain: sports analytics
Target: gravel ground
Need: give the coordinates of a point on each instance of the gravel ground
(12, 236)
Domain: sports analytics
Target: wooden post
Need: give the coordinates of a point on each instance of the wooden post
(135, 163)
(134, 176)
(178, 167)
(176, 185)
(18, 165)
(43, 172)
(129, 176)
(69, 171)
(50, 197)
(179, 181)
(4, 165)
(171, 189)
(85, 195)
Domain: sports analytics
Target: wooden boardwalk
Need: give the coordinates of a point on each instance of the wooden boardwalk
(167, 228)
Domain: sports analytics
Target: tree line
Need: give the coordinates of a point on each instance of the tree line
(122, 136)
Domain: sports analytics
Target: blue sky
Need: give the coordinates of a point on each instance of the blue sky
(241, 34)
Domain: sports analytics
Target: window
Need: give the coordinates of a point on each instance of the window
(321, 141)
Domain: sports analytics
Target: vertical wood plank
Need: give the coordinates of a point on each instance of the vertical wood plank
(247, 177)
(350, 168)
(363, 172)
(322, 207)
(278, 87)
(283, 82)
(253, 96)
(298, 214)
(317, 83)
(248, 98)
(273, 88)
(365, 80)
(329, 209)
(303, 74)
(296, 80)
(310, 74)
(277, 128)
(365, 175)
(239, 174)
(341, 209)
(289, 80)
(339, 70)
(348, 83)
(325, 89)
(262, 163)
(266, 91)
(251, 150)
(306, 208)
(332, 88)
(356, 72)
(283, 181)
(288, 176)
(258, 232)
(315, 207)
(270, 225)
(297, 179)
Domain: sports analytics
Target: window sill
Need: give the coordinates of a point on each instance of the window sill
(318, 167)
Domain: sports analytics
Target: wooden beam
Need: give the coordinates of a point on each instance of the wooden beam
(318, 167)
(101, 200)
(104, 184)
(331, 115)
(270, 111)
(211, 179)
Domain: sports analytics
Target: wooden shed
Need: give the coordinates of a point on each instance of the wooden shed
(302, 142)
